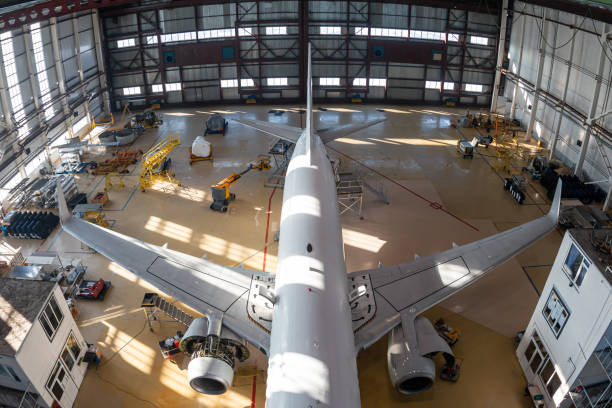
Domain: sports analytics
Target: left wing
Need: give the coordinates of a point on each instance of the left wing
(221, 293)
(416, 286)
(286, 132)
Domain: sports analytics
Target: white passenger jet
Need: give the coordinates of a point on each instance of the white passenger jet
(310, 318)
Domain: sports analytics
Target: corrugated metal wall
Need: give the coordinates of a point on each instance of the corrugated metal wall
(160, 45)
(59, 88)
(570, 42)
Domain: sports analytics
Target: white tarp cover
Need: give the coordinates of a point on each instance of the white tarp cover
(200, 147)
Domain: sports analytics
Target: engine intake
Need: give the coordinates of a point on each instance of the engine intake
(211, 369)
(409, 358)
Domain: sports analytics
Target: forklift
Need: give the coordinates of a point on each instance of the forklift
(220, 191)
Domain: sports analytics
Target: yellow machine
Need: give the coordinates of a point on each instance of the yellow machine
(113, 180)
(126, 110)
(220, 191)
(96, 217)
(156, 165)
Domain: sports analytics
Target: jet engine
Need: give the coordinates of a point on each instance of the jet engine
(409, 355)
(211, 369)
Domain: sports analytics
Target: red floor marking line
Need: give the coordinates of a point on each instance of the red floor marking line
(254, 390)
(433, 204)
(263, 268)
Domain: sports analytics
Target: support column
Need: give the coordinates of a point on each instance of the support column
(518, 69)
(40, 113)
(538, 84)
(95, 18)
(593, 109)
(501, 50)
(553, 145)
(9, 122)
(59, 69)
(75, 29)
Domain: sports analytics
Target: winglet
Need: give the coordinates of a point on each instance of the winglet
(556, 203)
(64, 213)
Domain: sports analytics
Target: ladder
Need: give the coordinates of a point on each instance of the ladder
(154, 162)
(152, 304)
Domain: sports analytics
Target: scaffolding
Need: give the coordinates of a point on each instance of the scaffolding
(156, 164)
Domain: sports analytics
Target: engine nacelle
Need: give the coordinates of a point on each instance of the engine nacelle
(211, 369)
(409, 361)
(210, 375)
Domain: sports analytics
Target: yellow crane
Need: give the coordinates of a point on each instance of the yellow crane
(156, 165)
(220, 191)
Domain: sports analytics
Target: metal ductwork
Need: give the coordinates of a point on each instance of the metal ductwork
(211, 369)
(409, 356)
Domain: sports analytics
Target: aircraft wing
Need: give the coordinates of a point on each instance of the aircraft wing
(329, 134)
(285, 132)
(416, 286)
(211, 289)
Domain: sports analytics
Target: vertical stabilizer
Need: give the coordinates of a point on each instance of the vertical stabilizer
(309, 126)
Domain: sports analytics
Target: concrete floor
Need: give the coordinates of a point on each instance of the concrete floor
(415, 152)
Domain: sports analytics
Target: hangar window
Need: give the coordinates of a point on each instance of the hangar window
(329, 81)
(556, 313)
(276, 81)
(12, 80)
(157, 88)
(128, 42)
(245, 31)
(427, 35)
(132, 90)
(378, 81)
(359, 81)
(220, 33)
(449, 86)
(473, 87)
(247, 83)
(176, 86)
(388, 32)
(177, 37)
(361, 31)
(229, 83)
(9, 185)
(433, 85)
(576, 265)
(479, 40)
(151, 39)
(330, 30)
(41, 70)
(453, 37)
(276, 30)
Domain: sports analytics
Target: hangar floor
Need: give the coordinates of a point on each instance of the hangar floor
(415, 151)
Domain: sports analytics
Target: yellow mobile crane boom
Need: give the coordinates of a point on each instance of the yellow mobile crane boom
(220, 191)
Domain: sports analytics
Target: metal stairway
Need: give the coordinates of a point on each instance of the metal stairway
(152, 304)
(154, 162)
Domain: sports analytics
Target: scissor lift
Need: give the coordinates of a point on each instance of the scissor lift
(156, 165)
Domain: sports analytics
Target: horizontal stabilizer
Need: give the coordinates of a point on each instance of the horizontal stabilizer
(286, 132)
(327, 135)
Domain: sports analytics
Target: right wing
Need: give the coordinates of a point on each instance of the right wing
(286, 132)
(416, 286)
(224, 294)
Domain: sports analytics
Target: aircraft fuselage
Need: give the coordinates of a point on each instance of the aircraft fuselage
(312, 353)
